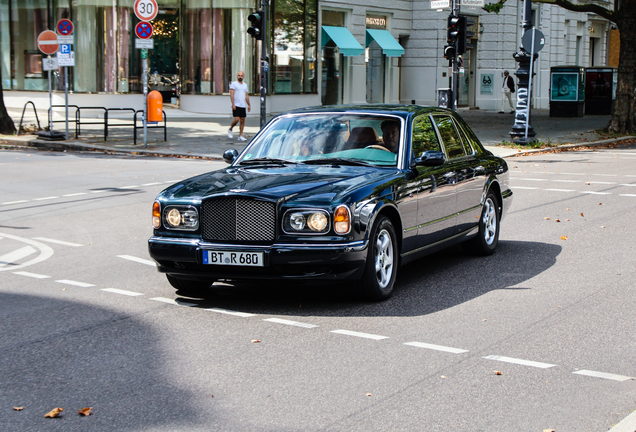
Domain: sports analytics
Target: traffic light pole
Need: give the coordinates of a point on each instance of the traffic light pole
(264, 64)
(453, 61)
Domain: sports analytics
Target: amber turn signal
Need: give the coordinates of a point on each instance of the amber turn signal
(342, 220)
(156, 215)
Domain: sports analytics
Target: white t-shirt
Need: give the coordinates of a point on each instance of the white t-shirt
(240, 90)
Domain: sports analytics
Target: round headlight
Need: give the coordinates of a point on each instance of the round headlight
(297, 221)
(173, 218)
(317, 222)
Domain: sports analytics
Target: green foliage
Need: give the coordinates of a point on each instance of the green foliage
(494, 7)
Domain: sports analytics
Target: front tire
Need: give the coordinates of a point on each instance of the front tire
(189, 288)
(487, 239)
(381, 266)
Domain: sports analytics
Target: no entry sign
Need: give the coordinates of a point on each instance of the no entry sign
(143, 30)
(47, 42)
(146, 10)
(64, 27)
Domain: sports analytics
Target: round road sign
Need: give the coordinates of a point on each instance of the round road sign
(143, 30)
(146, 10)
(539, 40)
(47, 42)
(64, 27)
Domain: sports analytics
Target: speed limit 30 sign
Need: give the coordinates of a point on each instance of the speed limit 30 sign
(146, 10)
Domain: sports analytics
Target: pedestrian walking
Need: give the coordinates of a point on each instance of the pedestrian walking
(240, 102)
(507, 89)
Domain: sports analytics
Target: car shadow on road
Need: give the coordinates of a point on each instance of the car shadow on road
(428, 285)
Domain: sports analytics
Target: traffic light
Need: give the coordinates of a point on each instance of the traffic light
(453, 28)
(461, 35)
(449, 52)
(256, 30)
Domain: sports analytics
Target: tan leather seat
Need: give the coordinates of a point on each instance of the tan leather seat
(362, 136)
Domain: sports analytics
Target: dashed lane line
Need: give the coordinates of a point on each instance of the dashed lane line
(173, 301)
(75, 283)
(230, 312)
(629, 195)
(603, 375)
(560, 190)
(290, 323)
(595, 193)
(436, 347)
(60, 242)
(75, 194)
(123, 292)
(14, 202)
(11, 258)
(519, 361)
(152, 184)
(33, 275)
(45, 198)
(360, 335)
(139, 260)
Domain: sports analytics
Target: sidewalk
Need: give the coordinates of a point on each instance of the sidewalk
(202, 135)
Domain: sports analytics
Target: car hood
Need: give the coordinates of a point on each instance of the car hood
(300, 183)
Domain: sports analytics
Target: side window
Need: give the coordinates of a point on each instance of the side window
(450, 138)
(424, 136)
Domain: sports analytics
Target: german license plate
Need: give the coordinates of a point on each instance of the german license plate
(243, 259)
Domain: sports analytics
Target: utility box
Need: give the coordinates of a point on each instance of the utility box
(567, 91)
(600, 90)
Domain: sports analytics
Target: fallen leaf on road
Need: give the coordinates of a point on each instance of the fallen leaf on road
(497, 373)
(255, 341)
(564, 237)
(54, 412)
(211, 396)
(18, 408)
(587, 183)
(547, 218)
(484, 320)
(567, 220)
(85, 411)
(567, 209)
(548, 430)
(368, 394)
(557, 220)
(560, 307)
(602, 226)
(443, 377)
(582, 215)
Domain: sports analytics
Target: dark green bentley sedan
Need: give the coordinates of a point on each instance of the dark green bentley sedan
(334, 193)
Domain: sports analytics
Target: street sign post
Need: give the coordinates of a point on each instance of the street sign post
(66, 56)
(64, 27)
(146, 10)
(47, 43)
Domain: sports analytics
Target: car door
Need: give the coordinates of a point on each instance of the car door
(436, 200)
(471, 179)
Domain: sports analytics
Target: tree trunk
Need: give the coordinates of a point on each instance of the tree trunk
(7, 127)
(623, 117)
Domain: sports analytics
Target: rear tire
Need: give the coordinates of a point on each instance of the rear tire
(189, 288)
(381, 266)
(487, 239)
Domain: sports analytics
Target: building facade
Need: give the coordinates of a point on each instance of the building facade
(320, 51)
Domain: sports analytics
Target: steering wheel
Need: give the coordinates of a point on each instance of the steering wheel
(377, 147)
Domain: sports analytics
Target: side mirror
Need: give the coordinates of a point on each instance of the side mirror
(430, 158)
(230, 155)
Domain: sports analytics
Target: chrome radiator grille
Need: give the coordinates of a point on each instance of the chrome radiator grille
(238, 219)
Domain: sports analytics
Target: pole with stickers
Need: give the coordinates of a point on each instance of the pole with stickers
(66, 56)
(48, 44)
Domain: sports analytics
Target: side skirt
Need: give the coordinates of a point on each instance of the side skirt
(437, 246)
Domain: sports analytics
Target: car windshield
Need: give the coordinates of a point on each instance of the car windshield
(354, 139)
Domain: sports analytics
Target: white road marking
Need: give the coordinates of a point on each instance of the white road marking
(151, 184)
(18, 254)
(45, 198)
(606, 175)
(566, 181)
(572, 173)
(75, 194)
(628, 184)
(100, 191)
(527, 188)
(139, 260)
(357, 334)
(75, 283)
(603, 375)
(291, 323)
(128, 187)
(173, 302)
(529, 179)
(519, 361)
(14, 202)
(436, 347)
(45, 252)
(44, 239)
(33, 275)
(630, 195)
(561, 190)
(230, 312)
(124, 292)
(596, 193)
(595, 182)
(172, 181)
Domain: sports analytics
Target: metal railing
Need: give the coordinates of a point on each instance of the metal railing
(165, 131)
(36, 116)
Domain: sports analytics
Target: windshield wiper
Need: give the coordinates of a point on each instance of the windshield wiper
(337, 161)
(266, 160)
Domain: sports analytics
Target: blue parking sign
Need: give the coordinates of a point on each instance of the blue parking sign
(65, 49)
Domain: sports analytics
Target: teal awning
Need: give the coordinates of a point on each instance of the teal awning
(390, 46)
(343, 38)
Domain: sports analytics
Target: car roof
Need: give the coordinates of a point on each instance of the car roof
(393, 109)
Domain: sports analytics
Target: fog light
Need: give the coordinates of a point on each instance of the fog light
(297, 221)
(317, 222)
(342, 220)
(156, 215)
(174, 218)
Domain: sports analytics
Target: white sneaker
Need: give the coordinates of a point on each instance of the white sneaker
(230, 134)
(241, 138)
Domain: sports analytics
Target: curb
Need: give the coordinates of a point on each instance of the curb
(571, 147)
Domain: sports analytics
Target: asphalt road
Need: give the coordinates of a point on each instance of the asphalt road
(88, 322)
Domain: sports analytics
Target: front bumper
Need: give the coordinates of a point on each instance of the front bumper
(335, 261)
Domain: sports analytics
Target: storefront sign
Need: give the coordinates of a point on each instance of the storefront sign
(376, 22)
(473, 3)
(144, 43)
(487, 84)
